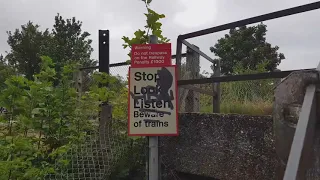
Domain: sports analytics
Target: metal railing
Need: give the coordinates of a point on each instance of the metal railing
(182, 40)
(303, 142)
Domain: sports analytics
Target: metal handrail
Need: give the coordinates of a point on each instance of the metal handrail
(302, 143)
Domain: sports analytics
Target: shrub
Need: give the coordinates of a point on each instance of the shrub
(45, 120)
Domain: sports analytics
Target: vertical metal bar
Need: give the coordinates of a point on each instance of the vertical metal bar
(178, 64)
(104, 51)
(153, 142)
(303, 138)
(178, 57)
(216, 89)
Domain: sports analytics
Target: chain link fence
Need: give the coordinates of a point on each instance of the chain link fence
(107, 151)
(111, 154)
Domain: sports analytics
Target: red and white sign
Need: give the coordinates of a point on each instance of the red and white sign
(153, 92)
(151, 55)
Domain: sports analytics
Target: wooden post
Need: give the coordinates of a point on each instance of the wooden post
(105, 121)
(216, 89)
(277, 80)
(178, 64)
(78, 82)
(192, 100)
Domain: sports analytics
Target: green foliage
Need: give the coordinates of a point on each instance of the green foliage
(132, 163)
(70, 44)
(65, 44)
(44, 121)
(153, 25)
(26, 45)
(5, 71)
(247, 47)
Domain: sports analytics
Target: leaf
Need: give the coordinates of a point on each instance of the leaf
(162, 16)
(157, 33)
(38, 111)
(135, 138)
(139, 33)
(157, 25)
(125, 39)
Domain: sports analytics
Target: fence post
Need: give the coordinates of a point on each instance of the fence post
(178, 64)
(192, 99)
(104, 63)
(78, 82)
(277, 80)
(105, 118)
(216, 88)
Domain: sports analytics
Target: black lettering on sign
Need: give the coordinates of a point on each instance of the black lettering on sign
(138, 114)
(155, 123)
(149, 99)
(138, 76)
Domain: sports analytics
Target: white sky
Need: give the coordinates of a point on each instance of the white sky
(297, 35)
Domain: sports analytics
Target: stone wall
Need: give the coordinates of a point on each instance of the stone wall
(221, 146)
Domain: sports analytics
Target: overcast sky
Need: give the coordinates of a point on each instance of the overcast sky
(297, 36)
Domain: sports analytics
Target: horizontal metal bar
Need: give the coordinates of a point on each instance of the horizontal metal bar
(197, 50)
(119, 64)
(182, 55)
(303, 137)
(256, 19)
(196, 89)
(243, 77)
(90, 67)
(124, 63)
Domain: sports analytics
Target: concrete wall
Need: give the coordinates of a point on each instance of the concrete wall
(221, 146)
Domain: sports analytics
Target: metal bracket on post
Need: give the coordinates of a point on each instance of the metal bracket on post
(104, 51)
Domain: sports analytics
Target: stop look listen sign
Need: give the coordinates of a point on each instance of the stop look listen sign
(152, 92)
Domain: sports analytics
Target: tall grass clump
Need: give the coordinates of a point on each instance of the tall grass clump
(244, 97)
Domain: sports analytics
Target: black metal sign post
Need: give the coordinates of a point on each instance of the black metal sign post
(104, 51)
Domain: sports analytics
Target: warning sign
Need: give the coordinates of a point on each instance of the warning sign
(151, 55)
(153, 101)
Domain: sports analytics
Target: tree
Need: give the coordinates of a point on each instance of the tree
(27, 45)
(247, 47)
(65, 44)
(70, 43)
(5, 71)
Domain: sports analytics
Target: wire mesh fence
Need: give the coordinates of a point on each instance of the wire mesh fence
(106, 152)
(111, 154)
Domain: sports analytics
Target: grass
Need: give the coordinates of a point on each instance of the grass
(244, 97)
(258, 107)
